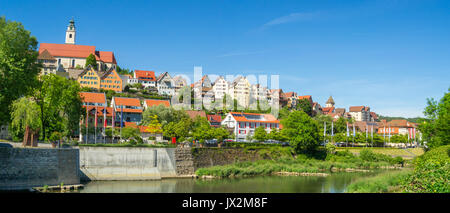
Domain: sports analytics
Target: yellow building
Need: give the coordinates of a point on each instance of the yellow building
(107, 80)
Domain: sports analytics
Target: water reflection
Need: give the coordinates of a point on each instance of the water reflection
(335, 183)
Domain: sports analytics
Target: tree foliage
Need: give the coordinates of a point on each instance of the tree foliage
(18, 67)
(24, 112)
(90, 60)
(305, 106)
(436, 127)
(60, 104)
(301, 130)
(260, 134)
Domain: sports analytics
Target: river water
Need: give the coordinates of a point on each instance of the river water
(334, 183)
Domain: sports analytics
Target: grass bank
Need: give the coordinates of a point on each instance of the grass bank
(406, 153)
(341, 161)
(384, 182)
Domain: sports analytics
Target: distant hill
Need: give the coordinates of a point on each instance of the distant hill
(387, 118)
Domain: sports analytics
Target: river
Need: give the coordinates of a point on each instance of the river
(334, 183)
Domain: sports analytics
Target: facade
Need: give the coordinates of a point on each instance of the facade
(220, 87)
(402, 127)
(129, 108)
(70, 55)
(360, 113)
(165, 84)
(107, 80)
(179, 82)
(244, 124)
(292, 99)
(240, 90)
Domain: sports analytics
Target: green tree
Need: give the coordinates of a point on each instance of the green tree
(90, 60)
(260, 134)
(306, 106)
(276, 134)
(220, 134)
(202, 130)
(340, 126)
(180, 129)
(18, 67)
(24, 112)
(165, 115)
(154, 127)
(436, 127)
(301, 130)
(60, 105)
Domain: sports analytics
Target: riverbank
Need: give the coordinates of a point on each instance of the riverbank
(430, 175)
(302, 164)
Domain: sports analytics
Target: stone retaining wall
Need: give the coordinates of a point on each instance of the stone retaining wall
(23, 168)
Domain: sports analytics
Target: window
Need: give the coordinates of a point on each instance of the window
(70, 35)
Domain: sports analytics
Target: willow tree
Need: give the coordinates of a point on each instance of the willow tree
(25, 112)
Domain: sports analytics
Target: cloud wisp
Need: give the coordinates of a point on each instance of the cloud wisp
(293, 17)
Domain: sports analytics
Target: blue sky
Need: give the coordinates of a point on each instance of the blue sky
(387, 54)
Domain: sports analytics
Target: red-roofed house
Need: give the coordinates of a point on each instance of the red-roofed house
(146, 78)
(93, 98)
(71, 55)
(360, 113)
(327, 110)
(214, 120)
(193, 114)
(151, 102)
(130, 108)
(244, 124)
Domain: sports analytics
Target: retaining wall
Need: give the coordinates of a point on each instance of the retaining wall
(127, 163)
(23, 168)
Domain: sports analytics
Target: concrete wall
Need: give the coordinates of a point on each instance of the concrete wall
(126, 163)
(23, 168)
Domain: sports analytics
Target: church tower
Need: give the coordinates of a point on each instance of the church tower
(330, 102)
(70, 33)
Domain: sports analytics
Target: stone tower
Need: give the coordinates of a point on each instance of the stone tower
(330, 102)
(70, 32)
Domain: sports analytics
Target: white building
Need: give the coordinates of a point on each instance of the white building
(244, 124)
(240, 90)
(146, 78)
(165, 84)
(360, 113)
(220, 87)
(70, 55)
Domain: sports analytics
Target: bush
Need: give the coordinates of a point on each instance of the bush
(331, 148)
(431, 172)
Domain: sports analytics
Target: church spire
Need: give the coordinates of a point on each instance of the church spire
(70, 32)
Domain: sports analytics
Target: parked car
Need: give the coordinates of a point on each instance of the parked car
(7, 145)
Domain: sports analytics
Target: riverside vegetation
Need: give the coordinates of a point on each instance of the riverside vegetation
(431, 174)
(283, 160)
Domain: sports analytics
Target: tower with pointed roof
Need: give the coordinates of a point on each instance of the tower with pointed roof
(330, 102)
(70, 32)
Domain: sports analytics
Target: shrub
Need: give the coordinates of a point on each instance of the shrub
(431, 172)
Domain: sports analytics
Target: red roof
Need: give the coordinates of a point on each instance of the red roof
(150, 102)
(121, 101)
(145, 75)
(356, 108)
(327, 110)
(192, 114)
(107, 57)
(93, 97)
(240, 116)
(76, 51)
(214, 118)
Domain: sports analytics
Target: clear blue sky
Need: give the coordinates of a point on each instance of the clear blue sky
(387, 54)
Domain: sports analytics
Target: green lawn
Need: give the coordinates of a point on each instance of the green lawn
(387, 151)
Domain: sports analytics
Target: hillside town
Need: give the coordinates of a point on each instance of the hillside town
(69, 61)
(224, 97)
